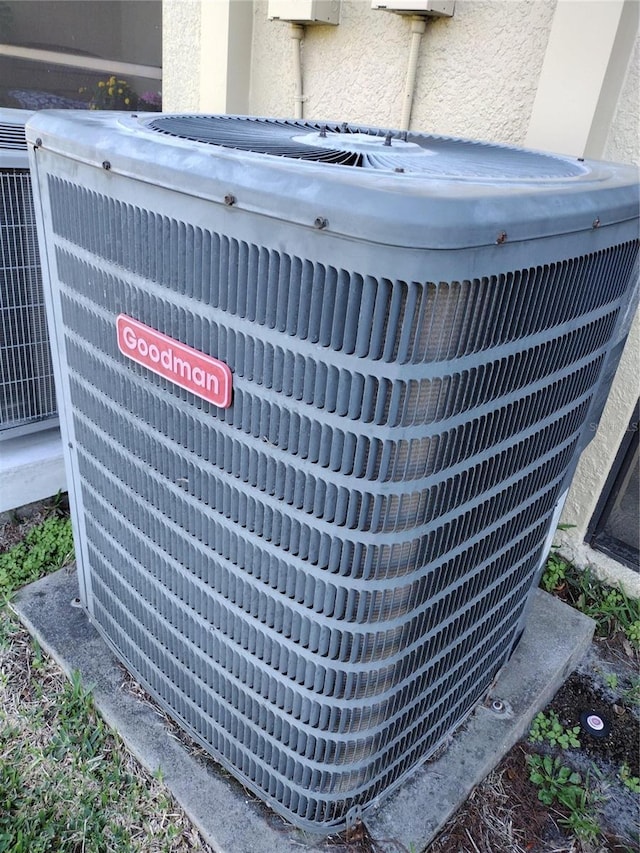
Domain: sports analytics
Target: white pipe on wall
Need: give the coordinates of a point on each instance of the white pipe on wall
(297, 34)
(418, 26)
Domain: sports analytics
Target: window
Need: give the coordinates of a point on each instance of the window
(614, 528)
(65, 54)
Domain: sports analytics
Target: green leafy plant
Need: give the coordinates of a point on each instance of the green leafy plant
(627, 688)
(555, 780)
(553, 578)
(46, 548)
(611, 680)
(547, 727)
(558, 783)
(554, 573)
(629, 781)
(633, 632)
(611, 608)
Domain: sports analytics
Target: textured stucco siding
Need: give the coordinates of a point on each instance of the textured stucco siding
(477, 72)
(623, 142)
(623, 145)
(181, 55)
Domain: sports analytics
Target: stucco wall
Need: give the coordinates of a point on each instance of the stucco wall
(623, 145)
(623, 142)
(181, 55)
(477, 72)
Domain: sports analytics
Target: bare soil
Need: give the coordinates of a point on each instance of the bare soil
(504, 814)
(15, 525)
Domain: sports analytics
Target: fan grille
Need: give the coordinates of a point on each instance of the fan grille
(367, 147)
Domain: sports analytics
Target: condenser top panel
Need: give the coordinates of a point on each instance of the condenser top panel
(398, 188)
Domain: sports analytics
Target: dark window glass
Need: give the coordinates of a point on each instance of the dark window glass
(615, 527)
(104, 54)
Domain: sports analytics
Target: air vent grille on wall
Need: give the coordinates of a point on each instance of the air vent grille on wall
(27, 394)
(323, 579)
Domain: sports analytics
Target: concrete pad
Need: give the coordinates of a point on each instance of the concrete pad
(230, 818)
(31, 468)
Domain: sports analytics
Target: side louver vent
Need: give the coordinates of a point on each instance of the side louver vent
(12, 136)
(322, 579)
(27, 394)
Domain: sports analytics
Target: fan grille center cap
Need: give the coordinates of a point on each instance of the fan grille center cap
(360, 142)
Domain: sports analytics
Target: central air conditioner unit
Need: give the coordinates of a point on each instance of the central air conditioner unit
(324, 388)
(27, 393)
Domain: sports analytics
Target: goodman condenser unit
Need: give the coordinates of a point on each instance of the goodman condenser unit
(27, 394)
(324, 388)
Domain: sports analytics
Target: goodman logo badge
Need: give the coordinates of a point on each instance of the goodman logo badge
(184, 366)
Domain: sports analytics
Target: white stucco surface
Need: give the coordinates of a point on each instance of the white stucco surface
(623, 145)
(181, 55)
(623, 141)
(480, 76)
(477, 72)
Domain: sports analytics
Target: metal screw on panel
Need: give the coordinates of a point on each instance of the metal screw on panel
(501, 238)
(596, 223)
(320, 222)
(230, 199)
(38, 142)
(106, 165)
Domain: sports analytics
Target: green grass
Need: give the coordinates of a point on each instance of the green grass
(67, 784)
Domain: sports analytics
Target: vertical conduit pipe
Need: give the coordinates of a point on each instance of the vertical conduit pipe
(418, 26)
(297, 34)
